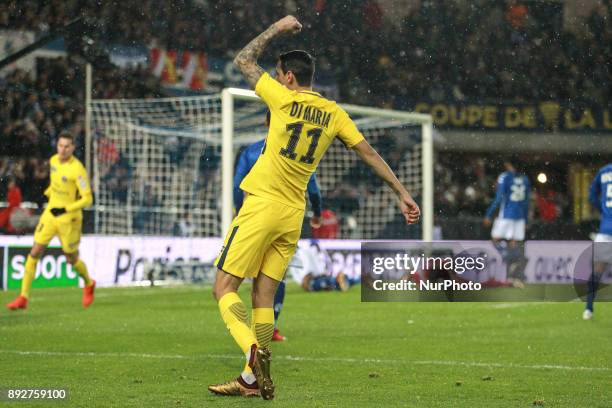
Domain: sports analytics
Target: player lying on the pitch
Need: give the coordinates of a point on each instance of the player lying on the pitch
(264, 235)
(309, 267)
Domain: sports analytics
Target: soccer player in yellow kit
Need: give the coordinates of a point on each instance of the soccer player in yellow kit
(68, 193)
(264, 234)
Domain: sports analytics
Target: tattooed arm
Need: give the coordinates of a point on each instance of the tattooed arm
(246, 60)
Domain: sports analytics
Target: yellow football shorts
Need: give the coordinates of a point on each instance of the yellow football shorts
(262, 238)
(67, 227)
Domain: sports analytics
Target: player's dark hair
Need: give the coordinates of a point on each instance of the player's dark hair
(299, 62)
(66, 135)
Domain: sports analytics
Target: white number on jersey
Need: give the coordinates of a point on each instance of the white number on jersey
(518, 192)
(609, 195)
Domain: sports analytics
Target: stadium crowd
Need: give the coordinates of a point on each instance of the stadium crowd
(492, 51)
(35, 111)
(506, 50)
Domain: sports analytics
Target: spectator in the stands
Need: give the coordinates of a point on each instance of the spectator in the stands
(14, 201)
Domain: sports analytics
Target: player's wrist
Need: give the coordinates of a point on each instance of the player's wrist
(274, 30)
(401, 192)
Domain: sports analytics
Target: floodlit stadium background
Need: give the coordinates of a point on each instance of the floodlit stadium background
(528, 81)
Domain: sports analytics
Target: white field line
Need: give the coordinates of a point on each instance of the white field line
(130, 291)
(311, 359)
(513, 305)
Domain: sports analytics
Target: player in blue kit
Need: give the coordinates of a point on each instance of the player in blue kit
(600, 196)
(512, 198)
(246, 161)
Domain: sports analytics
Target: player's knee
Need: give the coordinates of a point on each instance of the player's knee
(262, 298)
(36, 252)
(219, 290)
(72, 258)
(224, 284)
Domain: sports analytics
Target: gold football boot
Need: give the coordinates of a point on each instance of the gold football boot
(261, 369)
(235, 387)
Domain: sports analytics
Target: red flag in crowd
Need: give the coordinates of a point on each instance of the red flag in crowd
(183, 69)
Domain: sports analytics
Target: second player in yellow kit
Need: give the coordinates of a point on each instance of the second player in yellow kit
(68, 192)
(69, 189)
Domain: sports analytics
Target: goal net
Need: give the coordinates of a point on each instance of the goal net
(165, 166)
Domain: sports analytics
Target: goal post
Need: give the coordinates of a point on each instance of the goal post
(229, 95)
(165, 166)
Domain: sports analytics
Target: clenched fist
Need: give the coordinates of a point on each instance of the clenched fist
(289, 24)
(410, 209)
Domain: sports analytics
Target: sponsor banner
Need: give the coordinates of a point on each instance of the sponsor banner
(558, 261)
(122, 260)
(51, 271)
(118, 260)
(540, 116)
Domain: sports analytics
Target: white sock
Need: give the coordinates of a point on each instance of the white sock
(248, 378)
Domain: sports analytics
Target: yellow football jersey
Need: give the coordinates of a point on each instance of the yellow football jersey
(303, 124)
(69, 186)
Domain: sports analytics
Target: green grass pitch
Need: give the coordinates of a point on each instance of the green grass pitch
(160, 347)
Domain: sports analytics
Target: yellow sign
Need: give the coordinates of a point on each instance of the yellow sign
(548, 115)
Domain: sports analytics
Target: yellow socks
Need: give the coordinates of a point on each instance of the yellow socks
(234, 314)
(30, 273)
(81, 269)
(28, 276)
(263, 325)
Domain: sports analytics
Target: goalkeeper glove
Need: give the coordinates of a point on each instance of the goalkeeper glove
(58, 211)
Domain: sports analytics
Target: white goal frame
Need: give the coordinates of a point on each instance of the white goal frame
(228, 95)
